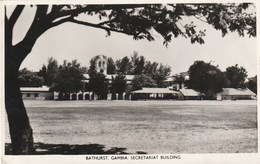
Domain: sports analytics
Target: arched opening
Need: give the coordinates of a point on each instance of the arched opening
(86, 96)
(99, 64)
(113, 96)
(120, 96)
(60, 96)
(74, 96)
(67, 96)
(127, 96)
(80, 96)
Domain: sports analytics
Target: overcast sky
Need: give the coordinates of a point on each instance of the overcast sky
(72, 41)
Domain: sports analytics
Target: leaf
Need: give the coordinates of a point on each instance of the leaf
(192, 30)
(108, 33)
(188, 33)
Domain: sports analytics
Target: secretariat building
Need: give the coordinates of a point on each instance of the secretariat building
(172, 92)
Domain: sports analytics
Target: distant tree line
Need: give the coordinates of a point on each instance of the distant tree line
(136, 65)
(69, 77)
(146, 74)
(209, 79)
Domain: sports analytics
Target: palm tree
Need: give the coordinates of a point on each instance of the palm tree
(179, 78)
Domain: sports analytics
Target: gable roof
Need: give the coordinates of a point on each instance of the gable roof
(190, 92)
(237, 91)
(35, 89)
(155, 90)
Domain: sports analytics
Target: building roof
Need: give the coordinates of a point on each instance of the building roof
(35, 89)
(128, 77)
(109, 76)
(190, 92)
(238, 91)
(155, 90)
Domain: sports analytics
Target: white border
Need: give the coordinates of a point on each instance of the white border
(250, 158)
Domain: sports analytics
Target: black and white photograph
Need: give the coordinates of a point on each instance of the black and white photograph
(130, 82)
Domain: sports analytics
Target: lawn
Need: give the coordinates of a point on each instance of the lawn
(112, 127)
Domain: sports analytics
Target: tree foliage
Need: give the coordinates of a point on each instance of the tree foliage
(49, 72)
(141, 81)
(69, 78)
(180, 79)
(28, 78)
(138, 65)
(236, 76)
(111, 67)
(160, 75)
(118, 84)
(98, 84)
(206, 78)
(252, 84)
(124, 65)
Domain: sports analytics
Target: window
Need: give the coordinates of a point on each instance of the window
(36, 95)
(28, 95)
(99, 64)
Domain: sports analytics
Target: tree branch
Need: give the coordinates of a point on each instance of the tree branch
(41, 11)
(93, 8)
(56, 23)
(56, 8)
(105, 22)
(15, 15)
(99, 26)
(38, 27)
(199, 18)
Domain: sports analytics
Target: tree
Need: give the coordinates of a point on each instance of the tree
(140, 81)
(118, 85)
(180, 79)
(28, 78)
(98, 84)
(111, 67)
(138, 64)
(150, 68)
(236, 76)
(69, 78)
(160, 75)
(50, 72)
(206, 78)
(137, 20)
(124, 65)
(252, 84)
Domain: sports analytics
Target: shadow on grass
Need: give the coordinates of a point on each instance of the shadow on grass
(66, 149)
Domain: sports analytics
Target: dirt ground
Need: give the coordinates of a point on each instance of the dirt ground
(147, 126)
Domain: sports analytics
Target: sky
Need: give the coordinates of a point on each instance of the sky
(72, 41)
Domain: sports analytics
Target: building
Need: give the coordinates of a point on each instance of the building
(154, 93)
(236, 94)
(101, 66)
(37, 93)
(190, 94)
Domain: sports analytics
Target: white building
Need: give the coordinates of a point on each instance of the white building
(36, 93)
(236, 94)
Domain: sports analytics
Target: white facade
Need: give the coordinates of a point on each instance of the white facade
(36, 93)
(235, 94)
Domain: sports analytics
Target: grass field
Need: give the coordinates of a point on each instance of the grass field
(147, 126)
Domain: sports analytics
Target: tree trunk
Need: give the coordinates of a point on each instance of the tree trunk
(19, 125)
